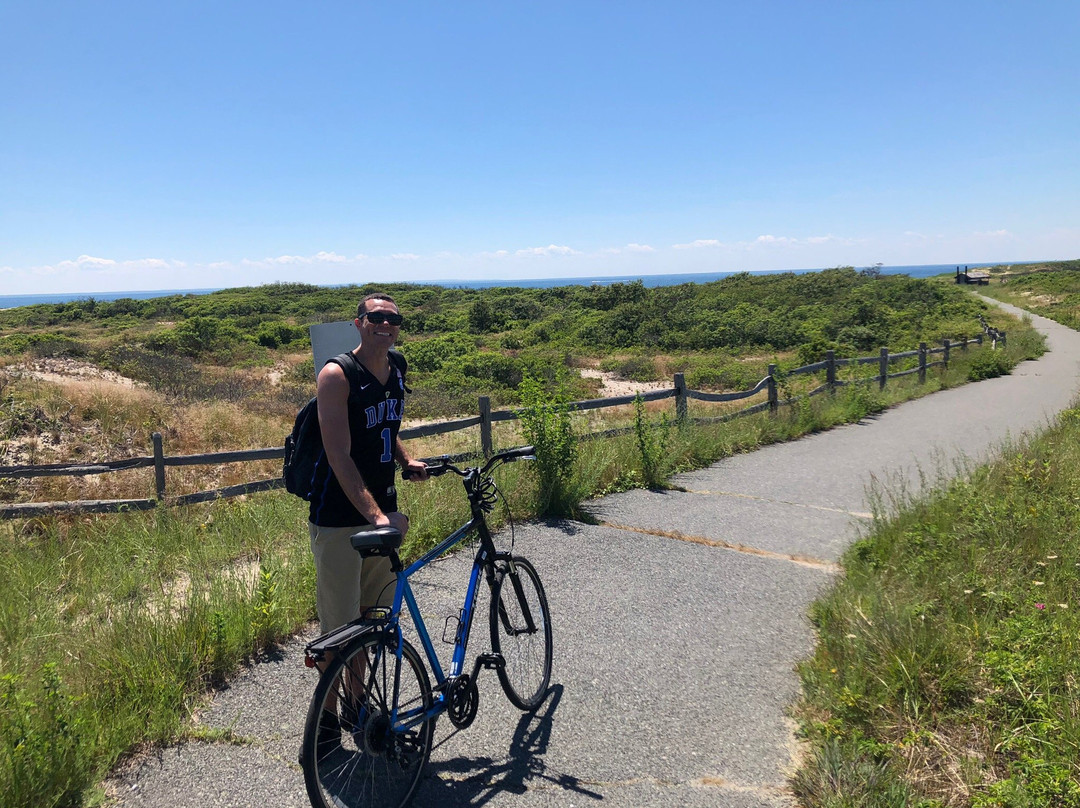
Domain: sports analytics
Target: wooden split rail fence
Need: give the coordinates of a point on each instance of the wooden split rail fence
(159, 461)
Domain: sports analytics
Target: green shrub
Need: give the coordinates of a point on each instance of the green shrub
(280, 334)
(987, 364)
(433, 353)
(203, 337)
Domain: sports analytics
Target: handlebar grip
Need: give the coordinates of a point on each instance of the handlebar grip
(522, 452)
(433, 471)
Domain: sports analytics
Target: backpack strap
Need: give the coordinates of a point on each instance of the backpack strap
(350, 366)
(401, 364)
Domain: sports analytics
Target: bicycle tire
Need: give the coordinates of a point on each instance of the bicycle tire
(350, 755)
(526, 650)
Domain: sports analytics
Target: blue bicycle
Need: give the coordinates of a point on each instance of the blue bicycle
(369, 728)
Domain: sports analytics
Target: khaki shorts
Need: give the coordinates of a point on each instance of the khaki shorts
(346, 584)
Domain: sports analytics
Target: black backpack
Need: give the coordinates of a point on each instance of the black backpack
(304, 446)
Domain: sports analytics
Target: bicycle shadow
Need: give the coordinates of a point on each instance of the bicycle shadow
(469, 782)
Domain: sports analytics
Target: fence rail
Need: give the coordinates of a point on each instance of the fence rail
(484, 420)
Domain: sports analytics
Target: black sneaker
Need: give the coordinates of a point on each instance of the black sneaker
(328, 738)
(354, 714)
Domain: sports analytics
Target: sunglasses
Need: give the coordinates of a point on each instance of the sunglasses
(380, 317)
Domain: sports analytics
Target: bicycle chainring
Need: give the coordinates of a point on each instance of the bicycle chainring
(462, 701)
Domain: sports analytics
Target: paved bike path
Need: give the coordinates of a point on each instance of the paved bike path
(678, 621)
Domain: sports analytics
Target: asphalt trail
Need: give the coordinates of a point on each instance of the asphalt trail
(678, 621)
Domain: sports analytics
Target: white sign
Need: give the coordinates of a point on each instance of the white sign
(330, 339)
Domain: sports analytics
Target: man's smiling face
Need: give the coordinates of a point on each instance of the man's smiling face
(378, 334)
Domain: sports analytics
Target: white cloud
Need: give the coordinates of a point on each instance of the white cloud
(89, 263)
(993, 234)
(551, 249)
(321, 257)
(405, 257)
(85, 262)
(701, 242)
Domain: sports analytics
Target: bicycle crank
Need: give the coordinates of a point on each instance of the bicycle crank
(462, 701)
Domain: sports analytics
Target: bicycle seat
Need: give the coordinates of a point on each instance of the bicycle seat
(376, 541)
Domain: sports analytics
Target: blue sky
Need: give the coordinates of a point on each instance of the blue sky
(190, 145)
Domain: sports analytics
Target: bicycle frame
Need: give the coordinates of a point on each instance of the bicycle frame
(369, 728)
(484, 561)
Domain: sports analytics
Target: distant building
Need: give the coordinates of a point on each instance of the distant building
(979, 276)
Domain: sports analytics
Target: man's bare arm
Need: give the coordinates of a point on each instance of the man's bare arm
(333, 395)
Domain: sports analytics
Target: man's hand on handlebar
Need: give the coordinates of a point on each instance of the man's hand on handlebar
(415, 470)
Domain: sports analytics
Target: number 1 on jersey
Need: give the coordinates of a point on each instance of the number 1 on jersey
(387, 447)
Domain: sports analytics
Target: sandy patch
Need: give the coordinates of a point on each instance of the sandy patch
(66, 371)
(1044, 300)
(613, 386)
(277, 373)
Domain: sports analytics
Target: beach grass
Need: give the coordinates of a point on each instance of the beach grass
(947, 669)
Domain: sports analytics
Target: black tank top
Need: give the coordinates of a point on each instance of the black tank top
(375, 412)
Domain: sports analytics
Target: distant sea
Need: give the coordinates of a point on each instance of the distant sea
(921, 271)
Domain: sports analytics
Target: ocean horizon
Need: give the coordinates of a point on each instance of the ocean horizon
(915, 271)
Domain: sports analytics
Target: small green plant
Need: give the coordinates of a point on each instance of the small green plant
(652, 442)
(266, 616)
(545, 421)
(40, 735)
(860, 400)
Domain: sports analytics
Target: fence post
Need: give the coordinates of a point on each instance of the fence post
(945, 355)
(830, 371)
(773, 400)
(922, 363)
(978, 340)
(883, 368)
(680, 397)
(159, 466)
(485, 425)
(963, 344)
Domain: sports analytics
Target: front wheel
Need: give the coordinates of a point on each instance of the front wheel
(521, 633)
(357, 752)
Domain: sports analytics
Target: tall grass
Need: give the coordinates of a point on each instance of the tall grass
(949, 655)
(111, 626)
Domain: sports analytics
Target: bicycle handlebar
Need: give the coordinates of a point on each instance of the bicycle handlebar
(440, 465)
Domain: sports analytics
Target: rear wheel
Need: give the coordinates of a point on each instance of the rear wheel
(521, 633)
(353, 753)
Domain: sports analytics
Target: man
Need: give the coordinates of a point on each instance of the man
(360, 436)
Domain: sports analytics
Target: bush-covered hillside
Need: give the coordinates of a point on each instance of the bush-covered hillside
(465, 342)
(1052, 291)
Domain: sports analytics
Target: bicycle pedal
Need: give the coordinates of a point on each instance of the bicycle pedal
(491, 661)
